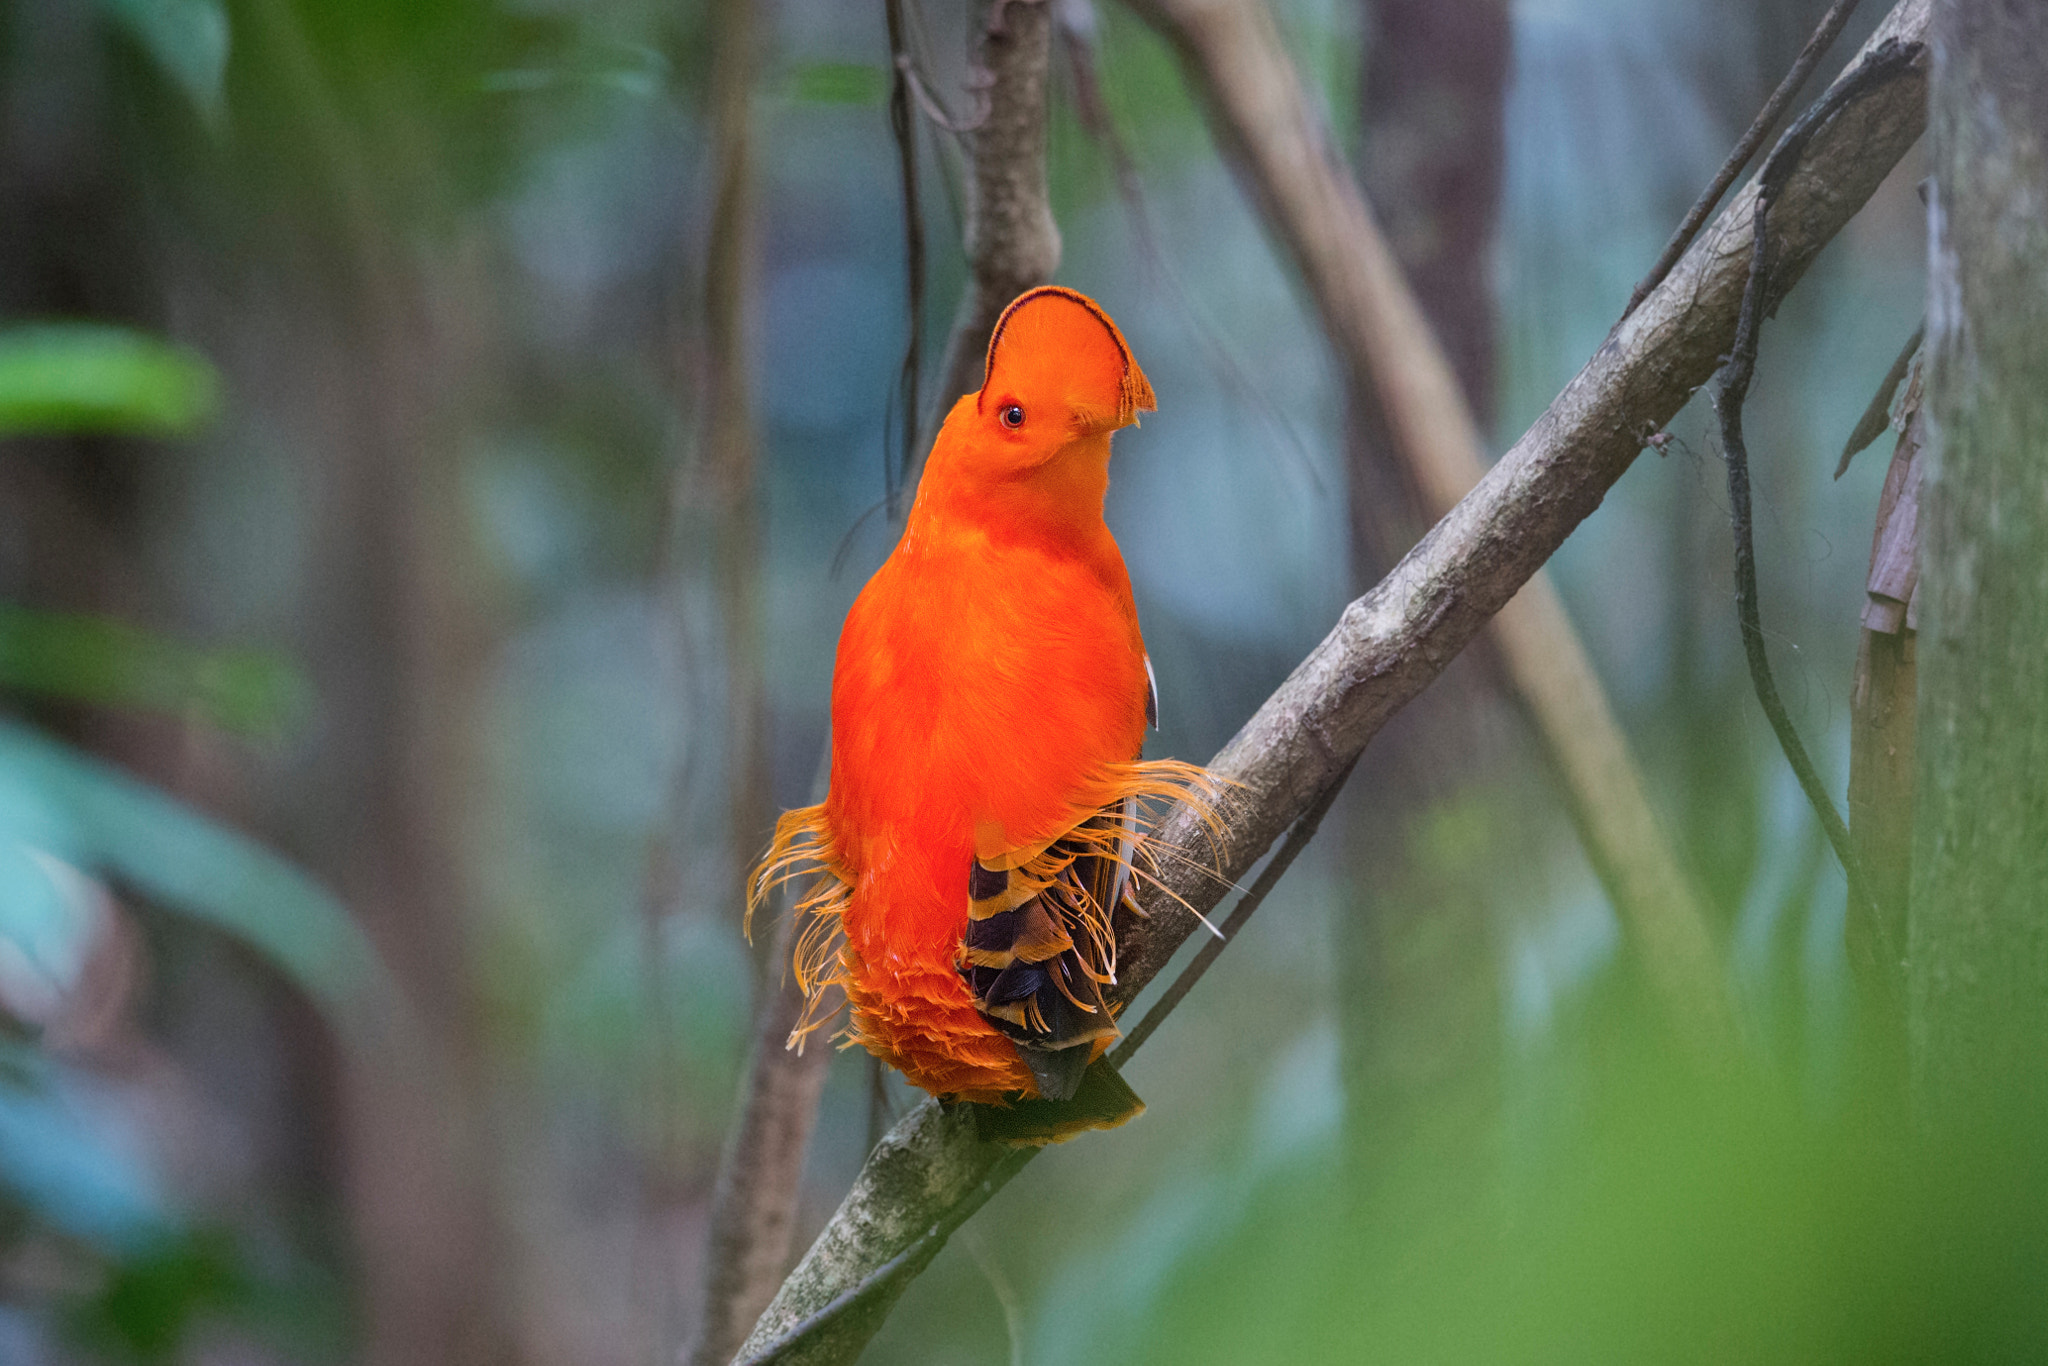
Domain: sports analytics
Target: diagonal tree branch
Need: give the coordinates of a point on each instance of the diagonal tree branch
(1390, 643)
(1385, 649)
(1233, 53)
(903, 129)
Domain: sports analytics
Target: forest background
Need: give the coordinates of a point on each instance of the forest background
(442, 439)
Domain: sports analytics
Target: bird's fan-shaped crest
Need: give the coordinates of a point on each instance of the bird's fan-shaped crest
(1068, 325)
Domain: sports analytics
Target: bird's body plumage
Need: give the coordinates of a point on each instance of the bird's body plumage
(990, 697)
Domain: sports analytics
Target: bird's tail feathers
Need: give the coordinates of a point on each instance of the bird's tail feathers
(802, 848)
(1103, 1100)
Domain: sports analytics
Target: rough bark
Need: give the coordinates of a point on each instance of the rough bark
(1385, 649)
(1978, 949)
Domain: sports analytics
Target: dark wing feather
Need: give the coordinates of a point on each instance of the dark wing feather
(1040, 947)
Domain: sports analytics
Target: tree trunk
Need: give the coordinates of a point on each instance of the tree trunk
(1978, 945)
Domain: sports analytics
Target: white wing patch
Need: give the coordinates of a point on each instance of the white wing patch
(1151, 695)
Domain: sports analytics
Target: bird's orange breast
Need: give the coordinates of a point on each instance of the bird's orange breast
(980, 689)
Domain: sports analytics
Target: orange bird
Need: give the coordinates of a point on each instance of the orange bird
(987, 816)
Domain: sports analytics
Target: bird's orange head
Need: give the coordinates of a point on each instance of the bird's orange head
(1057, 352)
(1059, 380)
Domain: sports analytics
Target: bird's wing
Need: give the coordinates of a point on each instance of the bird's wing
(1041, 945)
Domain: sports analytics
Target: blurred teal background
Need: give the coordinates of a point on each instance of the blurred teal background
(370, 966)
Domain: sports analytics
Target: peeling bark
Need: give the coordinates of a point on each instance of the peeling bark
(1881, 713)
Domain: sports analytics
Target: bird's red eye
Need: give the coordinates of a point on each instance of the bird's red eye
(1012, 416)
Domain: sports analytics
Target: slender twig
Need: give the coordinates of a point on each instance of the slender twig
(1012, 243)
(1385, 649)
(1774, 109)
(903, 129)
(1005, 1293)
(1297, 839)
(753, 1214)
(1877, 416)
(1882, 65)
(880, 1113)
(753, 1205)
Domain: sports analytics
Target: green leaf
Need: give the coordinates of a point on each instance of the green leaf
(90, 815)
(87, 377)
(187, 38)
(147, 1308)
(838, 83)
(110, 663)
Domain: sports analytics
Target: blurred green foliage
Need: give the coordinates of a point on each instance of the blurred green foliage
(1673, 1218)
(70, 1163)
(188, 39)
(89, 377)
(149, 1303)
(857, 83)
(58, 804)
(109, 663)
